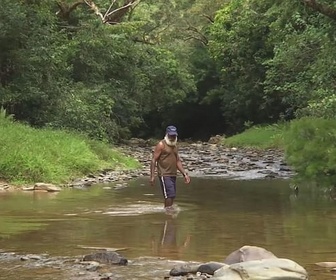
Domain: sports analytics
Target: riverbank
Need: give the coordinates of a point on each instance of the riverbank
(30, 155)
(67, 159)
(200, 159)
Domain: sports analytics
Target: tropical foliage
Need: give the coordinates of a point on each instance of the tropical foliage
(114, 69)
(310, 148)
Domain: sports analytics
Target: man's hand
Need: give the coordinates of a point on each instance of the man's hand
(151, 181)
(186, 179)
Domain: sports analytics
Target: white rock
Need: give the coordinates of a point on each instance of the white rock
(266, 269)
(46, 187)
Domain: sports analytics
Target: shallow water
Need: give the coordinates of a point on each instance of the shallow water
(215, 217)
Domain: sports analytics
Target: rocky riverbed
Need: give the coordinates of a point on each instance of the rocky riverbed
(202, 159)
(106, 265)
(199, 159)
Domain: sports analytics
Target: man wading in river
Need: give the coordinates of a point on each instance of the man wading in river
(167, 161)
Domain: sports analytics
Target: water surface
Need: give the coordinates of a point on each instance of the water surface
(216, 217)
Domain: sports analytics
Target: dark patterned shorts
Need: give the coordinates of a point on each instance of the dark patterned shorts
(168, 186)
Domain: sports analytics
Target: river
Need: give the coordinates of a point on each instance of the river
(216, 216)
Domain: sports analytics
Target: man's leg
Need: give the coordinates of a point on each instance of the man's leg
(168, 186)
(168, 202)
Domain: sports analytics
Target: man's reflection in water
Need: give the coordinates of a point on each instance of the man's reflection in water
(170, 245)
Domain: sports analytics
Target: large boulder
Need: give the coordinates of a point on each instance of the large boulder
(248, 253)
(265, 269)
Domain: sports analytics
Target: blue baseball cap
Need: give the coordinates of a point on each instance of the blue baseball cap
(171, 130)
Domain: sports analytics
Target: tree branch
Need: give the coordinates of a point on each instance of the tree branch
(321, 8)
(116, 15)
(95, 8)
(65, 9)
(107, 11)
(195, 38)
(209, 18)
(198, 34)
(111, 16)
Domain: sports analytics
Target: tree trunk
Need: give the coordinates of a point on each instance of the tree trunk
(321, 8)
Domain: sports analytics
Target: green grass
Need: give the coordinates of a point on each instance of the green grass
(31, 155)
(260, 137)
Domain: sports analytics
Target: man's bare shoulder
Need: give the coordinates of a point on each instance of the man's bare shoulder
(158, 150)
(160, 144)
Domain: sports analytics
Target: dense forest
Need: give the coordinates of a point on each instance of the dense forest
(115, 69)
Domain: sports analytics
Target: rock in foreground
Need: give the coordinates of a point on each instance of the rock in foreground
(266, 269)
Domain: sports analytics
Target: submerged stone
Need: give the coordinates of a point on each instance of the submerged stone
(107, 257)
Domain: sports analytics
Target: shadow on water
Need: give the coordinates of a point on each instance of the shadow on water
(216, 217)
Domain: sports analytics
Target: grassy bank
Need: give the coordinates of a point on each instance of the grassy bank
(260, 137)
(31, 155)
(308, 144)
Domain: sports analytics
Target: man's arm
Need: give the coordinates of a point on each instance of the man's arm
(181, 169)
(156, 154)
